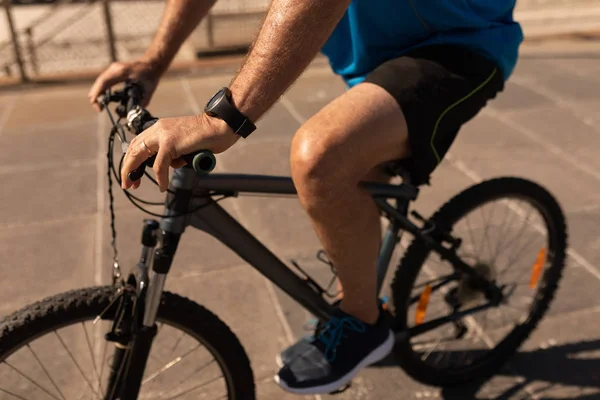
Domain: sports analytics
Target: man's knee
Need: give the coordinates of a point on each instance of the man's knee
(317, 162)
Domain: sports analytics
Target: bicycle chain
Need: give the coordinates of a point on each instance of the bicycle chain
(116, 267)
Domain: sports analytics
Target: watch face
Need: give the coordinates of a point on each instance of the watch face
(214, 100)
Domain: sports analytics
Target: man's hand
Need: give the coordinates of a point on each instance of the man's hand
(145, 72)
(169, 139)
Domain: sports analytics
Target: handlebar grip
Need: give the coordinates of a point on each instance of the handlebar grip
(203, 161)
(139, 171)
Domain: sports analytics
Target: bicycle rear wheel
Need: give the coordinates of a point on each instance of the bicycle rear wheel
(53, 350)
(426, 287)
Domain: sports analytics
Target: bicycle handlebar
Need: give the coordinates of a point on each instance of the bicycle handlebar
(139, 119)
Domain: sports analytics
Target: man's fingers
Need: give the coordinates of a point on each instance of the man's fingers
(114, 74)
(136, 154)
(161, 169)
(178, 163)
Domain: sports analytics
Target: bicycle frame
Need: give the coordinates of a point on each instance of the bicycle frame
(189, 191)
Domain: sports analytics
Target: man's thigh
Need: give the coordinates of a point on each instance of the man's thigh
(408, 108)
(357, 131)
(438, 89)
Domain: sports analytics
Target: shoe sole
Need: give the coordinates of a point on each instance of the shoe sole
(376, 355)
(279, 361)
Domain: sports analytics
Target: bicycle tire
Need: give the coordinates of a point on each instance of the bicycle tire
(416, 254)
(65, 309)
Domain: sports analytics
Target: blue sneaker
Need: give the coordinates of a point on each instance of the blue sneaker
(337, 353)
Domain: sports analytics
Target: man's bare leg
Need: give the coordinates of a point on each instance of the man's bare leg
(331, 153)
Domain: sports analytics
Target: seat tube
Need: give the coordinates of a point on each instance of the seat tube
(388, 244)
(390, 240)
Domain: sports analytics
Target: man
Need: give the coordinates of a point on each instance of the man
(416, 71)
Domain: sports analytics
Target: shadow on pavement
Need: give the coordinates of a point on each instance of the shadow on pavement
(571, 365)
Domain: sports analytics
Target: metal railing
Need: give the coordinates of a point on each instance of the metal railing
(75, 36)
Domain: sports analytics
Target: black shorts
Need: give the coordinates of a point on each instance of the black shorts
(438, 88)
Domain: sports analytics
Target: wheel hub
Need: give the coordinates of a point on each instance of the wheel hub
(468, 291)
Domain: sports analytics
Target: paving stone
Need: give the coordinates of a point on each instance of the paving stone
(171, 99)
(583, 232)
(535, 66)
(54, 193)
(562, 128)
(269, 390)
(485, 139)
(571, 86)
(515, 97)
(34, 148)
(585, 67)
(575, 279)
(45, 259)
(51, 105)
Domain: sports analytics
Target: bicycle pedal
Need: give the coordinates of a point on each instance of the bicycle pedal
(341, 390)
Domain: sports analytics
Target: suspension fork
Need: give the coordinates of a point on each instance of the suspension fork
(135, 323)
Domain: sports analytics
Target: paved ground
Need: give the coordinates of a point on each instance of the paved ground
(54, 232)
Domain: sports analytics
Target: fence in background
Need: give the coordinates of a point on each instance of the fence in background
(41, 38)
(49, 37)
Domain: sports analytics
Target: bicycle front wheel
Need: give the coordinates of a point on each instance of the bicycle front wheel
(513, 232)
(54, 349)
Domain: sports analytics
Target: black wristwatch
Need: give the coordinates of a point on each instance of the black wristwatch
(220, 106)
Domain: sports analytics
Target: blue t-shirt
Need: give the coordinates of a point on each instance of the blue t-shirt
(373, 31)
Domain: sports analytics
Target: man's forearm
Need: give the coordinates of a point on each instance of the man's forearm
(179, 19)
(292, 34)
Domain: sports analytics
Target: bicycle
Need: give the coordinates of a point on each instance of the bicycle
(137, 309)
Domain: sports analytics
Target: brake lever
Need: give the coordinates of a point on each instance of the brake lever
(139, 171)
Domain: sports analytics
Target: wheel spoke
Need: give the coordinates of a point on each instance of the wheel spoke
(168, 365)
(516, 256)
(12, 394)
(179, 384)
(502, 236)
(431, 349)
(177, 343)
(103, 362)
(523, 227)
(487, 227)
(76, 364)
(87, 338)
(37, 384)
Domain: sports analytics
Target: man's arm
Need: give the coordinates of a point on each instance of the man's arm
(179, 20)
(292, 34)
